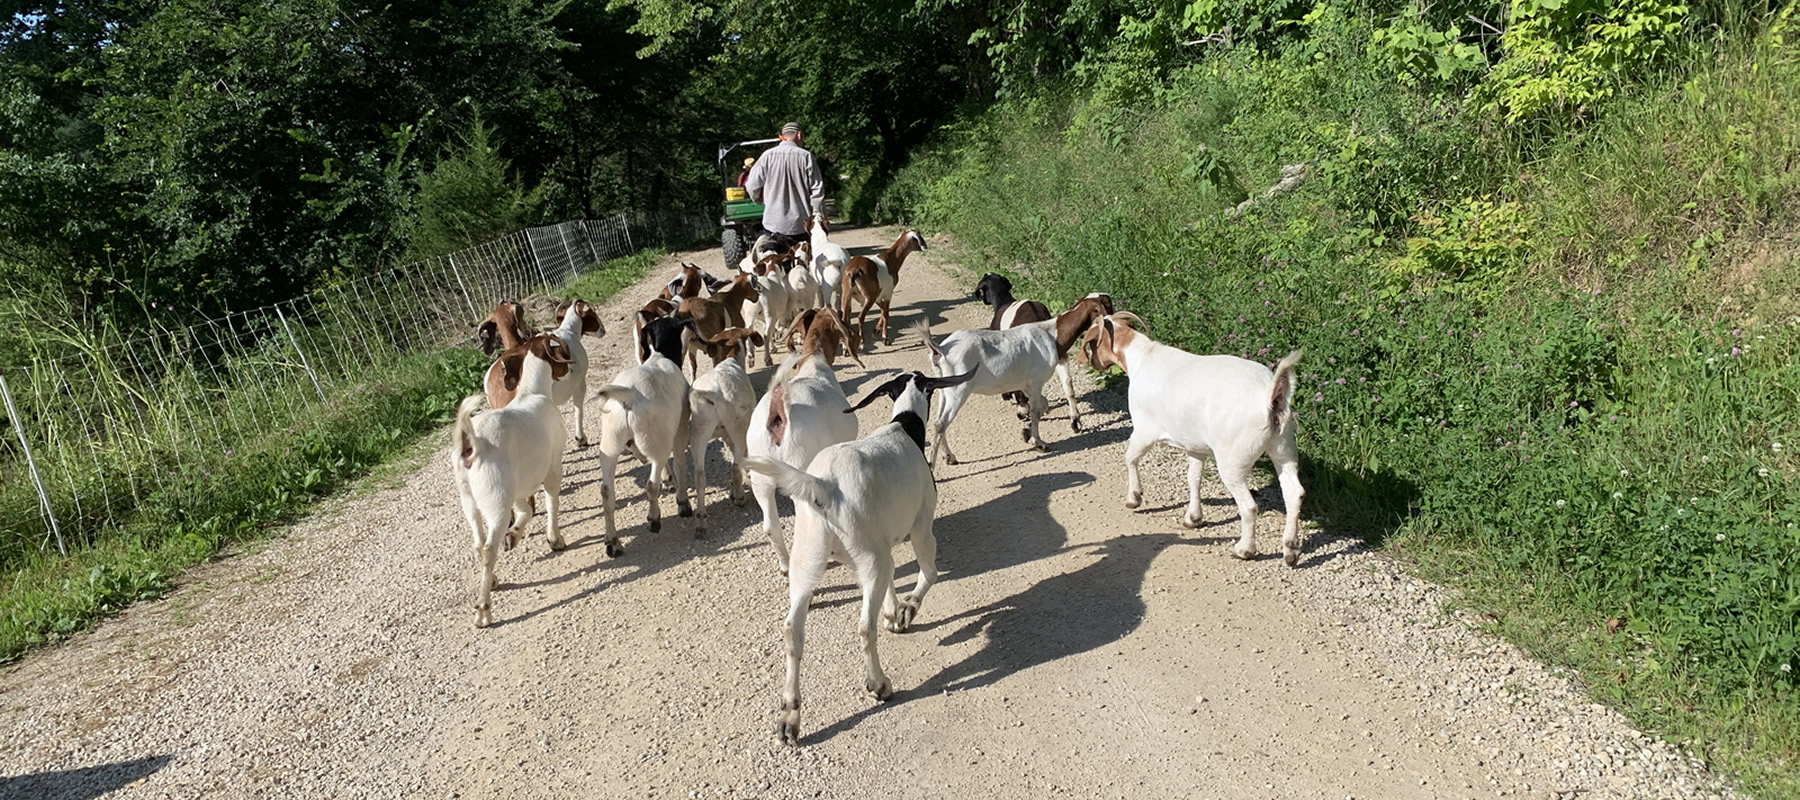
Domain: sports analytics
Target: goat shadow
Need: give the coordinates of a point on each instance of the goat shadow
(1012, 529)
(1050, 620)
(82, 783)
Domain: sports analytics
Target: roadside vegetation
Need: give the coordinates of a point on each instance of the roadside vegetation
(1546, 291)
(301, 450)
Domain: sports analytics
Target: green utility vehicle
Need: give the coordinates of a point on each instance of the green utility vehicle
(742, 218)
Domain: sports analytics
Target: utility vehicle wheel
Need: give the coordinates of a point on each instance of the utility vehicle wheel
(734, 249)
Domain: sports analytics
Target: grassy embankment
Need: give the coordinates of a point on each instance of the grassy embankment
(308, 450)
(1557, 370)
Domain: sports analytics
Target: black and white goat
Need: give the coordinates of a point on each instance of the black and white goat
(865, 496)
(646, 407)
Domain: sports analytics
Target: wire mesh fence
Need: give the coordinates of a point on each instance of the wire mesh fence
(120, 418)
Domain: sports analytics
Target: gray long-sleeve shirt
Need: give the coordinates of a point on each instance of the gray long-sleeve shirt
(786, 180)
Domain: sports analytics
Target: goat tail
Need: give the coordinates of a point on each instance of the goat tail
(625, 396)
(923, 328)
(817, 492)
(462, 435)
(1281, 397)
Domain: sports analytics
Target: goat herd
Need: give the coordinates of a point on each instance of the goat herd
(855, 499)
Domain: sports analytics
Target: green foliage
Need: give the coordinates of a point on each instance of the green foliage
(1474, 245)
(1520, 366)
(220, 156)
(468, 197)
(1564, 56)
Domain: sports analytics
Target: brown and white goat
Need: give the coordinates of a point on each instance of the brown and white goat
(712, 315)
(872, 279)
(1232, 409)
(1018, 359)
(504, 328)
(501, 457)
(502, 380)
(820, 331)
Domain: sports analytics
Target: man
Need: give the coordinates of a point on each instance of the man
(785, 179)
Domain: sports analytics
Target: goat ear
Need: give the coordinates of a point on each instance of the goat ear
(891, 389)
(488, 336)
(512, 367)
(934, 384)
(757, 339)
(590, 321)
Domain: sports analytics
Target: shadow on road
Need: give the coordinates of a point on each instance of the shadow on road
(1050, 620)
(82, 783)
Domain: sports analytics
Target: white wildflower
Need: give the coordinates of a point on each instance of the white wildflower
(1719, 537)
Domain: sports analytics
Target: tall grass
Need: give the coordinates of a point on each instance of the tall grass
(182, 457)
(1564, 378)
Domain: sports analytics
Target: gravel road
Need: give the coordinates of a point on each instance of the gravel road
(1073, 648)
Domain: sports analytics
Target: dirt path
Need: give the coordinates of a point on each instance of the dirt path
(1073, 648)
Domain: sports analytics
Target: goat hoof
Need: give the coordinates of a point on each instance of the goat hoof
(951, 460)
(882, 690)
(684, 510)
(1243, 553)
(581, 441)
(1189, 521)
(1290, 556)
(559, 546)
(788, 731)
(1075, 425)
(614, 549)
(655, 525)
(903, 617)
(1134, 502)
(483, 617)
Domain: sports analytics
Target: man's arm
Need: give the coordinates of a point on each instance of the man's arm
(816, 185)
(754, 184)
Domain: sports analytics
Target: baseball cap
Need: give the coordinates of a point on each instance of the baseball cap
(792, 127)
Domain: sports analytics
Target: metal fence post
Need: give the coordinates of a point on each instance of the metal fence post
(562, 233)
(473, 314)
(12, 413)
(625, 225)
(303, 363)
(531, 253)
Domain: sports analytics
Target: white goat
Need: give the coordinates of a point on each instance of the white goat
(501, 457)
(646, 407)
(828, 262)
(865, 496)
(771, 310)
(803, 288)
(721, 403)
(1230, 408)
(804, 412)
